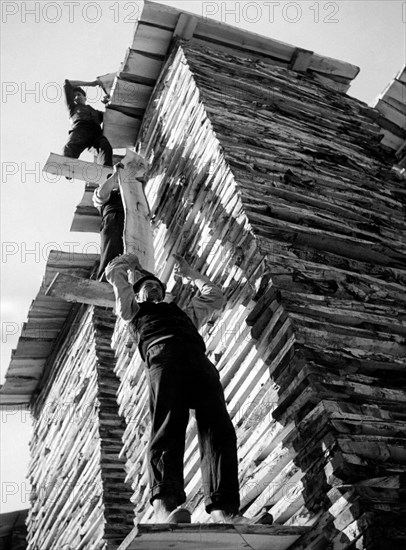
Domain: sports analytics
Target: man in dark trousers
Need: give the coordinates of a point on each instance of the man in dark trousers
(107, 199)
(86, 130)
(180, 377)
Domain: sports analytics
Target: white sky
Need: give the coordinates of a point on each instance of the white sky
(45, 42)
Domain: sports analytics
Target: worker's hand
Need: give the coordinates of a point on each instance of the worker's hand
(131, 260)
(117, 166)
(106, 99)
(182, 268)
(124, 261)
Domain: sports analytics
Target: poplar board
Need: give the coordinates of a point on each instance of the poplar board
(138, 235)
(211, 537)
(120, 128)
(78, 170)
(77, 289)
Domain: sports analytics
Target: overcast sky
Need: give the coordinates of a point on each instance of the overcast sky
(43, 43)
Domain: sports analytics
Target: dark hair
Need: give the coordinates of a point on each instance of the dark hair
(137, 285)
(77, 89)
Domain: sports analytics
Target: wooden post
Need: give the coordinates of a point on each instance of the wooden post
(138, 237)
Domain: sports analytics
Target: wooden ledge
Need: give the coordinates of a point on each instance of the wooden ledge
(211, 536)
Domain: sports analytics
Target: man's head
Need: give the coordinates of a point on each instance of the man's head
(79, 96)
(149, 289)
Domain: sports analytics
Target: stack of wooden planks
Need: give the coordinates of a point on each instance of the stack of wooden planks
(48, 321)
(79, 499)
(279, 190)
(156, 28)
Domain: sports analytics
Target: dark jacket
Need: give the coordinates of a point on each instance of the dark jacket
(81, 114)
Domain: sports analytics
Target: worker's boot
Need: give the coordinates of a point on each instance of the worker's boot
(166, 511)
(221, 516)
(162, 508)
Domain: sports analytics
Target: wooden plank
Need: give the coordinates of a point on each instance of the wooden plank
(392, 141)
(392, 114)
(86, 222)
(211, 537)
(185, 26)
(108, 81)
(397, 91)
(86, 217)
(140, 64)
(76, 289)
(120, 129)
(401, 76)
(301, 60)
(216, 32)
(138, 236)
(130, 94)
(330, 67)
(150, 39)
(78, 170)
(159, 14)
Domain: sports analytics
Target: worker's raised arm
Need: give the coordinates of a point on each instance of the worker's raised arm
(95, 82)
(102, 193)
(209, 298)
(117, 275)
(69, 96)
(69, 89)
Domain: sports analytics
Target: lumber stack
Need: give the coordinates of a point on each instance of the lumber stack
(279, 190)
(78, 494)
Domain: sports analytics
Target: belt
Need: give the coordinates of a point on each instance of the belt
(158, 341)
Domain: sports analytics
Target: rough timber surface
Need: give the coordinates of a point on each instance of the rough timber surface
(78, 170)
(391, 104)
(211, 537)
(280, 191)
(84, 291)
(47, 319)
(78, 496)
(158, 25)
(138, 237)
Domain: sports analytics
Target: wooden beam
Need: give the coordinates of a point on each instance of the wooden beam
(78, 170)
(138, 236)
(215, 537)
(130, 94)
(151, 39)
(141, 64)
(391, 113)
(300, 61)
(77, 289)
(185, 26)
(108, 80)
(120, 128)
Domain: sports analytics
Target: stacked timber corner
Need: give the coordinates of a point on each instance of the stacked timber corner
(271, 180)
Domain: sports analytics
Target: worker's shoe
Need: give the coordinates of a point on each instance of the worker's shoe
(179, 515)
(220, 516)
(166, 511)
